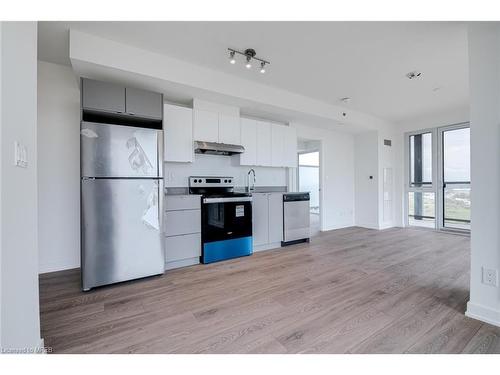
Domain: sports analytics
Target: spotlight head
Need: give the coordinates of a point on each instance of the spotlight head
(232, 60)
(262, 67)
(248, 65)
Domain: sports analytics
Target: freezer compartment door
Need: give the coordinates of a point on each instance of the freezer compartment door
(118, 151)
(121, 237)
(296, 220)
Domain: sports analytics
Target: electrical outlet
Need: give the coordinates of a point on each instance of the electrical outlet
(490, 277)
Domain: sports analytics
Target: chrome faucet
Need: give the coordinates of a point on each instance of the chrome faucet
(248, 180)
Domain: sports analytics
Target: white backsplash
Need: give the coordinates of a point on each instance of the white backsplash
(176, 174)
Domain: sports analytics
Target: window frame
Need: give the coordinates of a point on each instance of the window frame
(426, 188)
(440, 186)
(437, 185)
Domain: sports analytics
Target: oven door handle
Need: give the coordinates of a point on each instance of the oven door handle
(224, 200)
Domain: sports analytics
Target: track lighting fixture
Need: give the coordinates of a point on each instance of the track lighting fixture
(249, 55)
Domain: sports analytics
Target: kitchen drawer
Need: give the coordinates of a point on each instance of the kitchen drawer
(182, 247)
(182, 222)
(182, 202)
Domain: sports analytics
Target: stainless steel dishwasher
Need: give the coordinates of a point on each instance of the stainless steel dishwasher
(296, 224)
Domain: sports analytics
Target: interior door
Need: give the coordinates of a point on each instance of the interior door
(455, 174)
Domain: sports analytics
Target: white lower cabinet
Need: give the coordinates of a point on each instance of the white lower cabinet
(182, 230)
(260, 219)
(267, 212)
(183, 247)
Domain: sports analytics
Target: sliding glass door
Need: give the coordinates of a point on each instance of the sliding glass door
(455, 173)
(438, 178)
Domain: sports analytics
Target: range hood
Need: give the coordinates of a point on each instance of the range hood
(213, 148)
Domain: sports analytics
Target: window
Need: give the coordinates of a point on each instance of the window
(422, 209)
(421, 200)
(421, 159)
(438, 178)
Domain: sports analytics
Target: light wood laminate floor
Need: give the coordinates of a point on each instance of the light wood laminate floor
(351, 290)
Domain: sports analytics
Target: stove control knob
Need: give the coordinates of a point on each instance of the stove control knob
(229, 180)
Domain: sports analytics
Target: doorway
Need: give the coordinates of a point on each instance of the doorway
(308, 179)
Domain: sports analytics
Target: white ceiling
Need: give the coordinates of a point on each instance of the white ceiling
(366, 61)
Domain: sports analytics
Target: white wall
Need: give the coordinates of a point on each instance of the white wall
(366, 189)
(176, 174)
(391, 157)
(484, 65)
(371, 158)
(19, 252)
(447, 117)
(58, 167)
(337, 174)
(97, 57)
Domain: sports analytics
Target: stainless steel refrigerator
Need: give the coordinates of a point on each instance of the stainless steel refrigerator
(121, 203)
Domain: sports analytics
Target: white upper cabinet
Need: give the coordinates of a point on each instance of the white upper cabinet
(278, 133)
(229, 129)
(213, 126)
(268, 145)
(178, 133)
(263, 144)
(206, 125)
(249, 142)
(290, 148)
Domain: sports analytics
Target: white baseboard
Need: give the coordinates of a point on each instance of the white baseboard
(483, 313)
(339, 226)
(368, 225)
(386, 226)
(57, 266)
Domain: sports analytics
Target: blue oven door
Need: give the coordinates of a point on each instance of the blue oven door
(226, 228)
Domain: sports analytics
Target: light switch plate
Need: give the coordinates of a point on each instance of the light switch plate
(20, 155)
